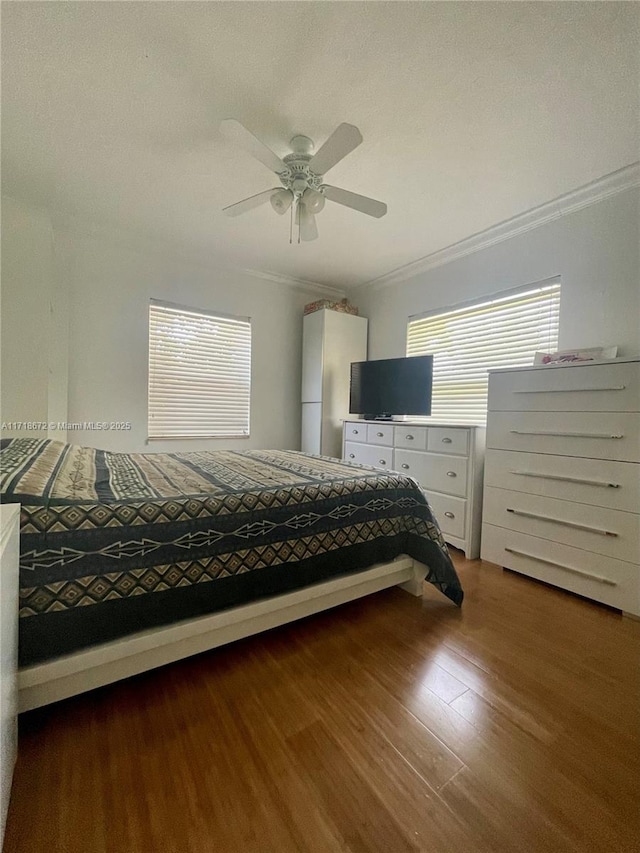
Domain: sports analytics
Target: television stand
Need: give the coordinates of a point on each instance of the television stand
(446, 459)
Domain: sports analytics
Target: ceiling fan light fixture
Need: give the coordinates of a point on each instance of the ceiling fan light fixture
(313, 200)
(281, 201)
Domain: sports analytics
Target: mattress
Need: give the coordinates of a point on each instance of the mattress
(113, 543)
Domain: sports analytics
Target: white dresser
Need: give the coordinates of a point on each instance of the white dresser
(9, 543)
(562, 477)
(446, 460)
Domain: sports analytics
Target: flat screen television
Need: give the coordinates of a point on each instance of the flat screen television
(391, 386)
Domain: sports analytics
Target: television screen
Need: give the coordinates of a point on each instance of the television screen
(391, 386)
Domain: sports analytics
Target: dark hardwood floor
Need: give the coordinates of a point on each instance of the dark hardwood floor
(391, 724)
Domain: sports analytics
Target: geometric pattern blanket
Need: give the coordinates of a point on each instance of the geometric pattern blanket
(115, 542)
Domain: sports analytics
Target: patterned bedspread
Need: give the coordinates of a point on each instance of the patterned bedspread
(112, 543)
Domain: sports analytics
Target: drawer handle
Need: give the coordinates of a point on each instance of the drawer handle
(562, 521)
(567, 434)
(447, 440)
(380, 434)
(449, 515)
(573, 571)
(409, 437)
(352, 456)
(451, 474)
(355, 432)
(567, 479)
(405, 466)
(382, 461)
(566, 390)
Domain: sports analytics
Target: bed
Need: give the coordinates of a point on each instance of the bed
(129, 561)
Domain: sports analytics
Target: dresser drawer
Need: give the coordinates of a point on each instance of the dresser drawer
(596, 435)
(586, 388)
(355, 431)
(413, 438)
(604, 579)
(434, 471)
(365, 454)
(598, 482)
(380, 434)
(448, 440)
(450, 513)
(604, 531)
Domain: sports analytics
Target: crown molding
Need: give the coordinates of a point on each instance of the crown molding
(598, 190)
(297, 283)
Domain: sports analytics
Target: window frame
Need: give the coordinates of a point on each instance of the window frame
(553, 284)
(207, 314)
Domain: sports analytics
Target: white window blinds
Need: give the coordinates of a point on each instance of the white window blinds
(470, 340)
(199, 373)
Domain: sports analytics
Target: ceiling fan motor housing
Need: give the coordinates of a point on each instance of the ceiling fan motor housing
(299, 177)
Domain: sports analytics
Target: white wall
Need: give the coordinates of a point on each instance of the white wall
(92, 350)
(594, 250)
(25, 307)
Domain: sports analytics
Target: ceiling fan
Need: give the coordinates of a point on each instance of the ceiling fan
(301, 175)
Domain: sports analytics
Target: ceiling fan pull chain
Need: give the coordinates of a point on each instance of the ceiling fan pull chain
(291, 226)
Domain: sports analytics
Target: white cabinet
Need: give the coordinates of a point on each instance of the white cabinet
(446, 460)
(331, 340)
(9, 546)
(562, 477)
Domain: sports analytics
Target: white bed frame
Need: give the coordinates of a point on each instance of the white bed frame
(76, 673)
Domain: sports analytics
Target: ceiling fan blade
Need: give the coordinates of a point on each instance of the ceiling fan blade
(308, 227)
(358, 202)
(342, 141)
(249, 203)
(238, 133)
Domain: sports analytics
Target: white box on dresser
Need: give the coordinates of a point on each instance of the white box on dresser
(562, 477)
(445, 459)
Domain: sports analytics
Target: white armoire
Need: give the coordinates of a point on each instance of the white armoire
(331, 340)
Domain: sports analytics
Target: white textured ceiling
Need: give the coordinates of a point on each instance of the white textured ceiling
(471, 113)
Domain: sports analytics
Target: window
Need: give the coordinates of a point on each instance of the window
(471, 339)
(199, 373)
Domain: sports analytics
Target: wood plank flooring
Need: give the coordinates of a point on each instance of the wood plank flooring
(390, 725)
